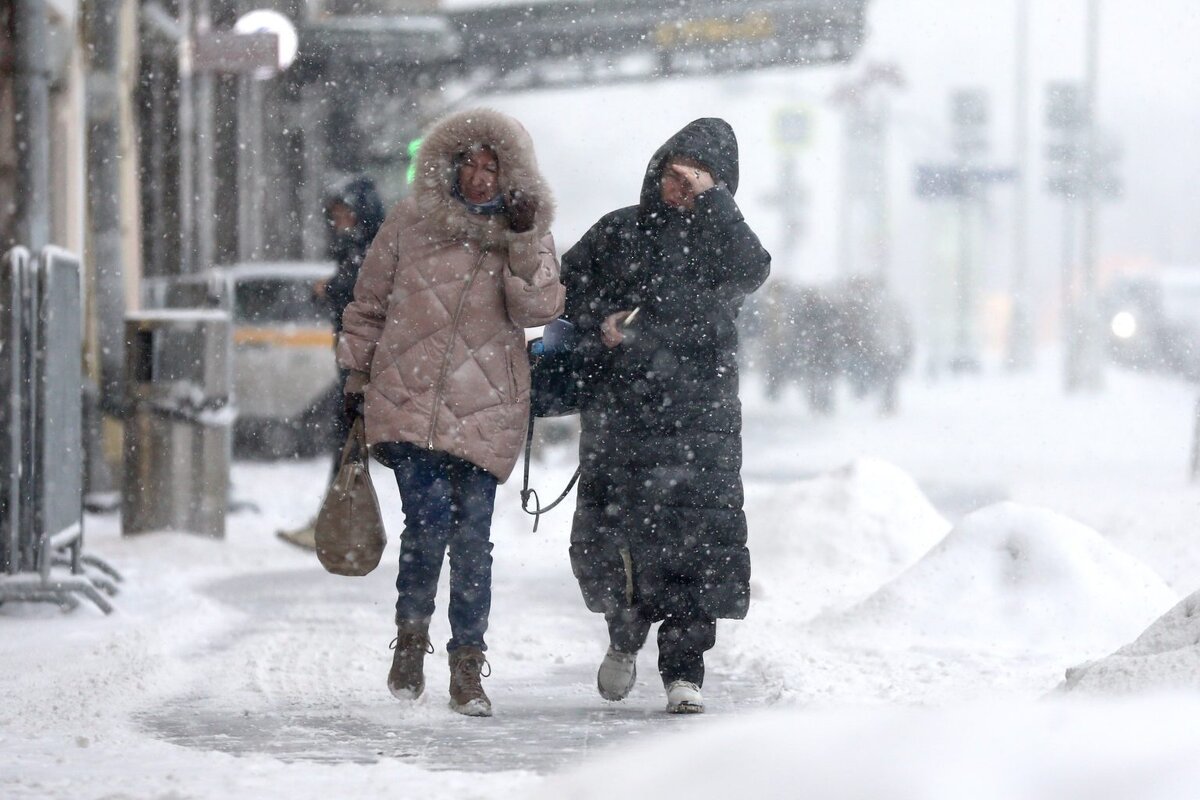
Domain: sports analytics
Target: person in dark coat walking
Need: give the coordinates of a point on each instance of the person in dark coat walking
(354, 213)
(659, 533)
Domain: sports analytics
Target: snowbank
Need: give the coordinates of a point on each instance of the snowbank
(1016, 577)
(1165, 656)
(832, 540)
(818, 544)
(1141, 748)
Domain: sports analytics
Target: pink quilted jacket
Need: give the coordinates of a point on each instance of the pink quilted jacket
(434, 337)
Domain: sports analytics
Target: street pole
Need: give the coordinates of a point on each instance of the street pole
(789, 206)
(864, 246)
(205, 148)
(187, 134)
(1069, 305)
(963, 358)
(969, 112)
(156, 244)
(312, 188)
(882, 206)
(32, 100)
(1091, 375)
(250, 168)
(1020, 343)
(104, 251)
(845, 256)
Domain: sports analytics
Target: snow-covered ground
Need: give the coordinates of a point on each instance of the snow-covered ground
(922, 586)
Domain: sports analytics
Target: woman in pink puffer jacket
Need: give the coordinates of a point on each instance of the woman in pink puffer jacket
(435, 344)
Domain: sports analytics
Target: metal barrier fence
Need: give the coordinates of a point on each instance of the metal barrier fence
(41, 434)
(13, 337)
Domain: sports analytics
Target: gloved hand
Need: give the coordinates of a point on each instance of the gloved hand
(522, 211)
(352, 406)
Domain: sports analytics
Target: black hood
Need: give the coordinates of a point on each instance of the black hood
(360, 194)
(709, 140)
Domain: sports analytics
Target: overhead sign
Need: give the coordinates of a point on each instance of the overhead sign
(954, 180)
(513, 46)
(226, 51)
(708, 31)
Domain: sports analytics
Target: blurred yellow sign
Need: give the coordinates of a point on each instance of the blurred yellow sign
(714, 31)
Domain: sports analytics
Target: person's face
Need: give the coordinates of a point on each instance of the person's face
(479, 176)
(341, 218)
(676, 192)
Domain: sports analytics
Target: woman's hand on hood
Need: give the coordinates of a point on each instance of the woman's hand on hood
(683, 182)
(698, 179)
(522, 211)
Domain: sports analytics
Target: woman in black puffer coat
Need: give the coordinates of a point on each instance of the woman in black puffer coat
(659, 532)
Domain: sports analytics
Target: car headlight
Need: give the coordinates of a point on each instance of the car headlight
(1123, 325)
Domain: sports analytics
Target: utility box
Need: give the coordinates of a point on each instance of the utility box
(179, 395)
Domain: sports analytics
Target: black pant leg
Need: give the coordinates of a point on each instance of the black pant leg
(627, 630)
(682, 643)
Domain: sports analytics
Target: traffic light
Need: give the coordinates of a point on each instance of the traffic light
(414, 148)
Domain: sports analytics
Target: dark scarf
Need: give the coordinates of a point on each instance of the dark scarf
(490, 208)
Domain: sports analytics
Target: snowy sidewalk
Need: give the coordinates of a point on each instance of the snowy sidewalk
(300, 678)
(238, 668)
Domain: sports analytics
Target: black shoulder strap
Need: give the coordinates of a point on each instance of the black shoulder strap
(527, 493)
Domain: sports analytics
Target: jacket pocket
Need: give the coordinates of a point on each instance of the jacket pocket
(603, 576)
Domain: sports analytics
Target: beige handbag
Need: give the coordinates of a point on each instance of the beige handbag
(349, 532)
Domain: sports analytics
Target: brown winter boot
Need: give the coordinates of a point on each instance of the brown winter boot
(406, 680)
(466, 691)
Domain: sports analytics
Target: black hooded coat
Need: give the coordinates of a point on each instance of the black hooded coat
(659, 521)
(349, 248)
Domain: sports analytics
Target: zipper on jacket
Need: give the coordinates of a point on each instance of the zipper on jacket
(437, 394)
(512, 375)
(627, 563)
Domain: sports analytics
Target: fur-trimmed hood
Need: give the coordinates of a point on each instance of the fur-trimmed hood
(513, 147)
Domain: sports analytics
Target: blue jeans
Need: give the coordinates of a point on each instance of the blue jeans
(447, 504)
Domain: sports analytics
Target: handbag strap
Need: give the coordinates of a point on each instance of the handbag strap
(527, 493)
(355, 447)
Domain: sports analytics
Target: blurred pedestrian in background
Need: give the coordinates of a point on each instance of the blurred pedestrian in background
(353, 214)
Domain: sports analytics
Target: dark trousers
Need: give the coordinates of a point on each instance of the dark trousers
(682, 641)
(447, 504)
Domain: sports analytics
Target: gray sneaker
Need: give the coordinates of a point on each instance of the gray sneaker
(617, 674)
(683, 697)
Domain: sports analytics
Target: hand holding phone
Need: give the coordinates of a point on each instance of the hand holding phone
(612, 331)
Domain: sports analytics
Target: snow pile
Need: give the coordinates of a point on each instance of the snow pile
(820, 544)
(1165, 656)
(1143, 748)
(832, 540)
(1016, 577)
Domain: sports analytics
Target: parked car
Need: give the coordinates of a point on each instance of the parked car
(285, 375)
(1154, 320)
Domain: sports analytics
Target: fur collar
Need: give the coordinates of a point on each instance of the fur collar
(518, 171)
